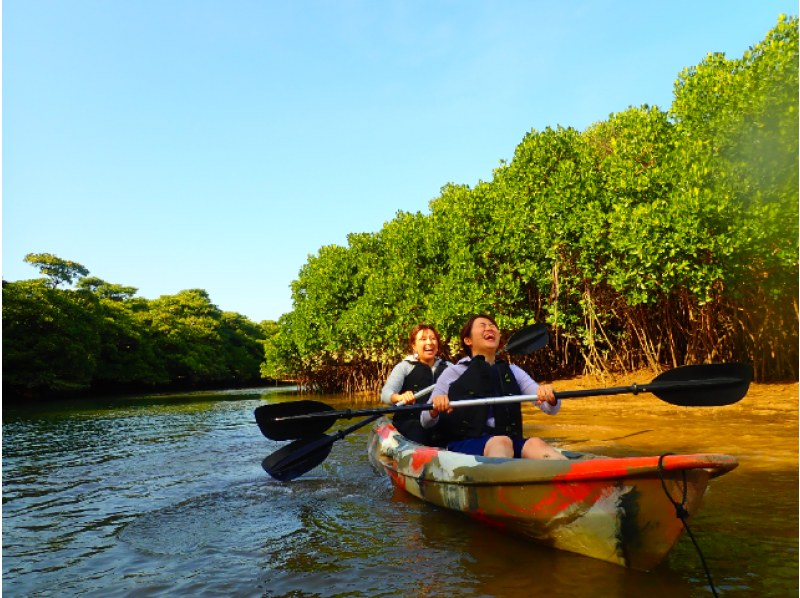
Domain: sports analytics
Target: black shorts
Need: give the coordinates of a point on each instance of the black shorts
(476, 446)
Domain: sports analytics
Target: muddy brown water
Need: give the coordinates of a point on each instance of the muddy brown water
(164, 496)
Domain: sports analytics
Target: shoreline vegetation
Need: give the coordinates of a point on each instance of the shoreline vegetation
(650, 240)
(19, 396)
(653, 239)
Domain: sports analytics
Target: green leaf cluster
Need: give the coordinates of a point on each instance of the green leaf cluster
(99, 335)
(653, 238)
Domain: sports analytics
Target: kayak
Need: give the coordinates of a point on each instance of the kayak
(612, 509)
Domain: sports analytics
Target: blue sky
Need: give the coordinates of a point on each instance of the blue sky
(179, 144)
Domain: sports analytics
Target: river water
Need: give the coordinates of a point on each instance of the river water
(165, 496)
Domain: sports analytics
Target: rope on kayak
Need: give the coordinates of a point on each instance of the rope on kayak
(682, 514)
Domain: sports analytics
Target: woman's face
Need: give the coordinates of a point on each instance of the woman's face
(426, 346)
(484, 338)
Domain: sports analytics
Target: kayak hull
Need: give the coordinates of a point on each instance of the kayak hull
(612, 509)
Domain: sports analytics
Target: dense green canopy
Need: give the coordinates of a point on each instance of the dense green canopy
(99, 335)
(650, 239)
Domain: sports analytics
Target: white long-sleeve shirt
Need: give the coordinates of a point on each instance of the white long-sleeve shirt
(394, 383)
(527, 385)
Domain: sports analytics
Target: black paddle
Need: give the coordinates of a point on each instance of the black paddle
(271, 422)
(710, 385)
(279, 421)
(526, 341)
(303, 455)
(706, 385)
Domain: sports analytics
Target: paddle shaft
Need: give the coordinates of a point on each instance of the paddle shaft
(375, 413)
(339, 434)
(653, 387)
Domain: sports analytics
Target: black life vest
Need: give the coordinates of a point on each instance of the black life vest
(407, 423)
(480, 380)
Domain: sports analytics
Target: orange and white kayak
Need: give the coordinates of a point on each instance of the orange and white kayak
(613, 509)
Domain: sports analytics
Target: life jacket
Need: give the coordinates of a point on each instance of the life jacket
(480, 380)
(407, 423)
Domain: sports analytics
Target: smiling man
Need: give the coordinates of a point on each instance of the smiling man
(488, 430)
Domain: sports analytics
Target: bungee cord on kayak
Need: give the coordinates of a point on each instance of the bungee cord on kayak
(682, 514)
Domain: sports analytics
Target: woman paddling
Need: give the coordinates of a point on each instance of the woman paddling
(491, 431)
(417, 371)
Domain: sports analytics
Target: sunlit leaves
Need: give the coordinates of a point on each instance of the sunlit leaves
(100, 336)
(57, 270)
(50, 338)
(645, 239)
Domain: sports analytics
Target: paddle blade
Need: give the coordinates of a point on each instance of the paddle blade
(707, 385)
(268, 418)
(529, 339)
(298, 457)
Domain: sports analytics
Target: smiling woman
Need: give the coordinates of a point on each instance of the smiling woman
(417, 371)
(491, 431)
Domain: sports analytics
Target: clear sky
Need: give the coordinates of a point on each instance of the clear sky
(216, 144)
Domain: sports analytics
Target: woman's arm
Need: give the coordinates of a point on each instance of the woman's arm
(451, 374)
(394, 383)
(529, 386)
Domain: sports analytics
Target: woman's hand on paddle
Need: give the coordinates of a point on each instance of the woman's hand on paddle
(545, 393)
(407, 398)
(441, 404)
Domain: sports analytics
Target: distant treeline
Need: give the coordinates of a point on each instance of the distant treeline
(99, 336)
(652, 239)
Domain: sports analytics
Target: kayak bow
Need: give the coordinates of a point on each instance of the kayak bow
(613, 509)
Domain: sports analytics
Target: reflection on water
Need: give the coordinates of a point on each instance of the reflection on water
(165, 496)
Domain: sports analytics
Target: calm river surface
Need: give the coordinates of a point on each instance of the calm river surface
(165, 496)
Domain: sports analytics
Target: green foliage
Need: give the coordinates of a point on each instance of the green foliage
(738, 123)
(651, 238)
(50, 337)
(99, 335)
(198, 342)
(57, 270)
(645, 240)
(129, 354)
(105, 290)
(281, 355)
(242, 347)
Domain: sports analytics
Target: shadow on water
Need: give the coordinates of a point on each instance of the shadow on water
(498, 564)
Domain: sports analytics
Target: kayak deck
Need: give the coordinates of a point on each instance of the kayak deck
(613, 509)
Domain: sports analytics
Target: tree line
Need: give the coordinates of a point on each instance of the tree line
(651, 239)
(99, 335)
